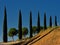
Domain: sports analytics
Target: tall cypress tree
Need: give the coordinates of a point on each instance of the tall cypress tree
(50, 21)
(55, 21)
(30, 24)
(5, 26)
(38, 23)
(45, 26)
(20, 26)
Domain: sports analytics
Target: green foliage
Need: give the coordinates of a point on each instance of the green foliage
(30, 24)
(50, 21)
(34, 28)
(20, 26)
(5, 27)
(12, 32)
(45, 26)
(24, 31)
(41, 27)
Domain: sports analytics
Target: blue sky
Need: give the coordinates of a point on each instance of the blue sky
(51, 7)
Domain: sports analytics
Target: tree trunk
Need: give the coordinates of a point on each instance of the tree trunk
(12, 38)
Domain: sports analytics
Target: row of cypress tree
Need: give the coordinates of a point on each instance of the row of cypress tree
(5, 26)
(20, 24)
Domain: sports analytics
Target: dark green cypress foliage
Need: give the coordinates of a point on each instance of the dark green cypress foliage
(5, 26)
(55, 21)
(30, 24)
(45, 26)
(50, 21)
(20, 26)
(38, 23)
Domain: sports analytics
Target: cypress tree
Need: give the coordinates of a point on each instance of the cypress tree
(55, 21)
(45, 27)
(30, 24)
(38, 23)
(5, 26)
(20, 26)
(50, 21)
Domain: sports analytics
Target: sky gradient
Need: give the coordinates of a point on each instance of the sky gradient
(51, 7)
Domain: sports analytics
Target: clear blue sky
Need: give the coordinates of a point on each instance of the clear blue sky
(51, 7)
